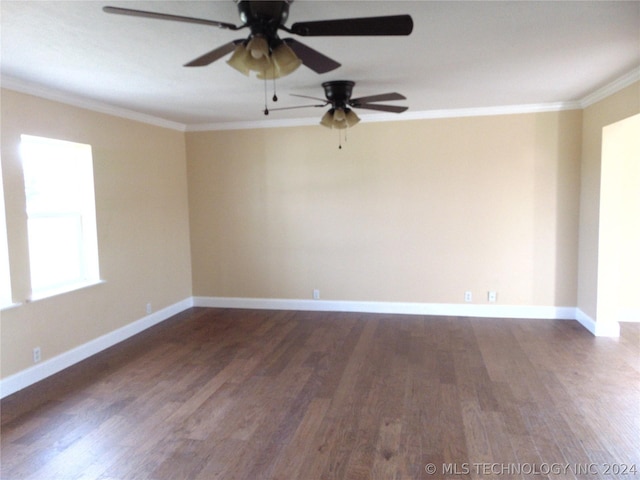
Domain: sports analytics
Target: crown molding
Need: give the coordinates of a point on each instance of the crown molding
(390, 117)
(611, 88)
(475, 112)
(11, 83)
(21, 86)
(253, 124)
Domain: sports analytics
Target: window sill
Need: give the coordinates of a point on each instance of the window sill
(60, 291)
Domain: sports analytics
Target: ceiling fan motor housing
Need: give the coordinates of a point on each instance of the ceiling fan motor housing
(338, 92)
(263, 17)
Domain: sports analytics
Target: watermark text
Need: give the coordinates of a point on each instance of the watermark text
(549, 469)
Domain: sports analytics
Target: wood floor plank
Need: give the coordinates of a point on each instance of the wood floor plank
(300, 449)
(281, 395)
(340, 433)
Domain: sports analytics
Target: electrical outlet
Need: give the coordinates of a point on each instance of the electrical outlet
(149, 309)
(37, 355)
(492, 296)
(468, 296)
(316, 294)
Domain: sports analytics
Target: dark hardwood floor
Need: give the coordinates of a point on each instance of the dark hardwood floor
(239, 394)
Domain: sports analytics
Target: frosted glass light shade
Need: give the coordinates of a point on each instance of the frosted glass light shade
(261, 64)
(351, 117)
(339, 118)
(254, 56)
(285, 59)
(283, 62)
(258, 47)
(327, 119)
(238, 60)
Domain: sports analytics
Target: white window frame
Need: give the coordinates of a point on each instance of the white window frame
(85, 256)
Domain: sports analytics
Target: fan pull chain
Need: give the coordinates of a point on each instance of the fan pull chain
(275, 97)
(339, 139)
(266, 110)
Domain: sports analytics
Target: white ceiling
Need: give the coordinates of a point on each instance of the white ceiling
(460, 55)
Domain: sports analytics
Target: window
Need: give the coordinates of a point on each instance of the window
(63, 245)
(5, 279)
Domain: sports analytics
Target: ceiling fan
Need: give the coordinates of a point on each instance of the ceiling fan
(264, 52)
(341, 114)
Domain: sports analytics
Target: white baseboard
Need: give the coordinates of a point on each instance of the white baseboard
(599, 329)
(54, 365)
(409, 308)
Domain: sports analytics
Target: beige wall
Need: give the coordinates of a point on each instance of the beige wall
(417, 211)
(142, 220)
(618, 106)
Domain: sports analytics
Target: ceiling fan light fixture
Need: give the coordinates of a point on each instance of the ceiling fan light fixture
(258, 47)
(327, 119)
(285, 59)
(238, 60)
(261, 64)
(283, 62)
(340, 119)
(339, 116)
(251, 56)
(351, 117)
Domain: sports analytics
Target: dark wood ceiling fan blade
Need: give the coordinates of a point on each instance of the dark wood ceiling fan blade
(311, 58)
(388, 25)
(164, 16)
(312, 98)
(382, 108)
(298, 106)
(210, 57)
(383, 97)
